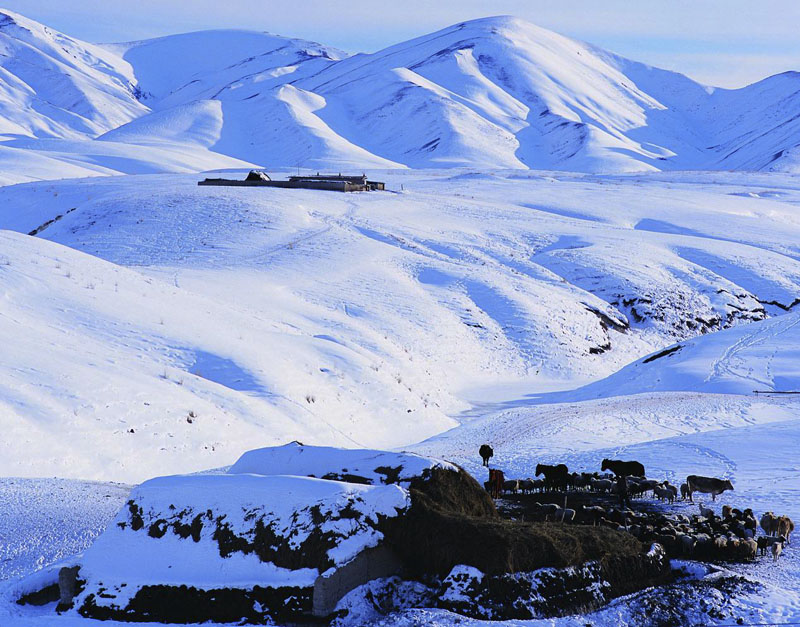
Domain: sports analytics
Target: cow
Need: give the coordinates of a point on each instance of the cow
(707, 485)
(626, 469)
(555, 477)
(486, 453)
(496, 481)
(785, 528)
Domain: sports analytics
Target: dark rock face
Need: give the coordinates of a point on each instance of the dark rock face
(225, 547)
(262, 538)
(542, 593)
(48, 594)
(186, 604)
(549, 592)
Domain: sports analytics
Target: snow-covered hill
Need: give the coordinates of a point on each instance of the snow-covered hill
(106, 371)
(369, 319)
(762, 357)
(491, 93)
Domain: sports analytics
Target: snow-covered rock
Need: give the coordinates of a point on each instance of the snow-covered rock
(263, 536)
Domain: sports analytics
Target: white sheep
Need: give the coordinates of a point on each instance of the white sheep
(706, 512)
(777, 548)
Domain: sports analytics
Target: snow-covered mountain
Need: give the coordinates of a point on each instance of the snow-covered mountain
(491, 93)
(57, 87)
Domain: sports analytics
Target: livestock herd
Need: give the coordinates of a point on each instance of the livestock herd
(604, 499)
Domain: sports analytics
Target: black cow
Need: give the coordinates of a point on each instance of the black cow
(623, 469)
(486, 453)
(555, 477)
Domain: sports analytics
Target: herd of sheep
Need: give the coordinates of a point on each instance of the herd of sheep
(730, 535)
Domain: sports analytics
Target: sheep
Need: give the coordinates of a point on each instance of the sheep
(563, 514)
(750, 549)
(593, 513)
(602, 485)
(664, 494)
(548, 510)
(687, 544)
(777, 548)
(726, 511)
(511, 485)
(635, 486)
(668, 541)
(584, 481)
(526, 486)
(705, 511)
(648, 484)
(765, 542)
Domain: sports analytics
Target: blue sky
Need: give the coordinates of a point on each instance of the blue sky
(721, 42)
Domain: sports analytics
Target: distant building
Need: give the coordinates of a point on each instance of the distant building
(329, 182)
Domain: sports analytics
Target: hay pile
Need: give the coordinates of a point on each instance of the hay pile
(452, 521)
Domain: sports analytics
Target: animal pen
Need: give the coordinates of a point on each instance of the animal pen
(328, 182)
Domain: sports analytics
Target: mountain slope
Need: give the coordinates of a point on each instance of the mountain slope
(54, 86)
(108, 372)
(762, 356)
(491, 93)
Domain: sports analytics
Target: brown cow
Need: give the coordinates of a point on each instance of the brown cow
(707, 485)
(785, 528)
(496, 481)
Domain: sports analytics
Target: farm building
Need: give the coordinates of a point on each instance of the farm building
(329, 182)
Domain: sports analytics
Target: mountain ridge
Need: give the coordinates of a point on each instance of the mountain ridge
(497, 92)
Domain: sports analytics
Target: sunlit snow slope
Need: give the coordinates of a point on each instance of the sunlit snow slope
(368, 319)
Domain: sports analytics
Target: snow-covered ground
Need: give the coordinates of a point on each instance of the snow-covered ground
(156, 327)
(221, 318)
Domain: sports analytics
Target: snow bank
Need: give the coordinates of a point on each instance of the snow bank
(354, 465)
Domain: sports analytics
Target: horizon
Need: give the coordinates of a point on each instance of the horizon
(744, 46)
